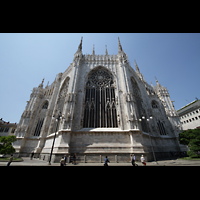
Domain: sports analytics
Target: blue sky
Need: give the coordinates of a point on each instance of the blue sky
(27, 58)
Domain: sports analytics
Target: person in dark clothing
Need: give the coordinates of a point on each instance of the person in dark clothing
(133, 159)
(74, 159)
(106, 162)
(32, 154)
(10, 160)
(65, 158)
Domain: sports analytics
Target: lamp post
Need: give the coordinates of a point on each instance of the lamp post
(58, 118)
(143, 117)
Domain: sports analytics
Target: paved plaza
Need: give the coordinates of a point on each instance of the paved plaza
(37, 162)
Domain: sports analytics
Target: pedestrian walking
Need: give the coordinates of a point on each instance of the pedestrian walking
(10, 160)
(106, 162)
(74, 159)
(32, 154)
(62, 161)
(133, 159)
(65, 158)
(143, 160)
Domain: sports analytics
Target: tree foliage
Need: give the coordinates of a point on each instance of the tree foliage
(191, 138)
(6, 144)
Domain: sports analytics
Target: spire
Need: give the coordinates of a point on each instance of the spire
(136, 67)
(78, 53)
(47, 84)
(41, 84)
(80, 45)
(106, 52)
(93, 52)
(158, 84)
(156, 80)
(119, 46)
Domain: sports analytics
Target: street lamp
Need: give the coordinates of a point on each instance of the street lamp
(58, 118)
(143, 117)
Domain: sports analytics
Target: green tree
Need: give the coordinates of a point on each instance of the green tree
(191, 138)
(6, 144)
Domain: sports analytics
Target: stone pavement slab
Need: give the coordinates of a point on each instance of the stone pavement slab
(27, 162)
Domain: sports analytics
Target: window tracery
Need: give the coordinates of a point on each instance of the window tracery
(161, 128)
(100, 101)
(38, 127)
(138, 99)
(63, 95)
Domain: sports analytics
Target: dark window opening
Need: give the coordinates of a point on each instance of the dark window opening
(38, 127)
(45, 106)
(162, 128)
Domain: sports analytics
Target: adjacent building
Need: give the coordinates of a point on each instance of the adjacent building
(7, 128)
(189, 115)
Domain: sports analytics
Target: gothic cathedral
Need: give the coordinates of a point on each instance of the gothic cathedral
(100, 106)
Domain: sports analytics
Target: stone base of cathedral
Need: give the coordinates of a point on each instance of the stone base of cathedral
(113, 158)
(92, 145)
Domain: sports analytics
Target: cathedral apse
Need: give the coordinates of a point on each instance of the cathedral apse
(106, 108)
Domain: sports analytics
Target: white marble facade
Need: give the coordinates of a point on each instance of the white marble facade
(102, 100)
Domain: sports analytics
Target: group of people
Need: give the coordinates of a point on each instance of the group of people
(142, 159)
(63, 160)
(133, 161)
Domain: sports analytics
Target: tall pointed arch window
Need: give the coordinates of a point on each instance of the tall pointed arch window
(100, 102)
(161, 128)
(62, 95)
(138, 100)
(38, 127)
(42, 115)
(62, 99)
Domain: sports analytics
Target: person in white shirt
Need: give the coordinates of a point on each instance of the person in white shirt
(62, 161)
(143, 160)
